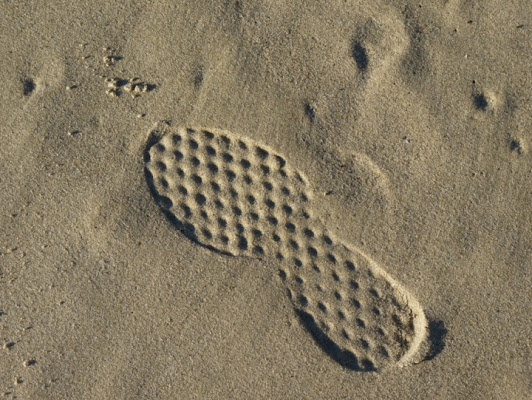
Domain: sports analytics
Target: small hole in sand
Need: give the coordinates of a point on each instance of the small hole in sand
(200, 199)
(230, 175)
(28, 86)
(161, 166)
(215, 187)
(290, 227)
(480, 101)
(312, 252)
(178, 155)
(242, 243)
(213, 168)
(195, 161)
(254, 216)
(197, 179)
(222, 222)
(261, 153)
(228, 158)
(245, 163)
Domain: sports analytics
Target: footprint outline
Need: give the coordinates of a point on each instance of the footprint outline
(366, 329)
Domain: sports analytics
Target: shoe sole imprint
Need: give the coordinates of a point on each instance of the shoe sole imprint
(241, 198)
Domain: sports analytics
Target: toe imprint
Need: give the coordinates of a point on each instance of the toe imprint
(242, 198)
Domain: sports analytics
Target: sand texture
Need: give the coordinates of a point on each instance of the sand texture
(233, 199)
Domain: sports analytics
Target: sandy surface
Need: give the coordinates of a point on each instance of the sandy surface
(411, 121)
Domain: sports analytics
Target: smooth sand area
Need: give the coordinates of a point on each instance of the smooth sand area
(358, 177)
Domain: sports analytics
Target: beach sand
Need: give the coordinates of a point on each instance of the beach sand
(405, 129)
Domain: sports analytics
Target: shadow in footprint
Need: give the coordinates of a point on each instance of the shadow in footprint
(343, 357)
(437, 333)
(165, 203)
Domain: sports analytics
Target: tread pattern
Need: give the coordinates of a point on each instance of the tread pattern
(242, 198)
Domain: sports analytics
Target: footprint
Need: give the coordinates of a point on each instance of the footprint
(241, 198)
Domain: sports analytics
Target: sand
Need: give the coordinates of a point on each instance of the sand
(409, 124)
